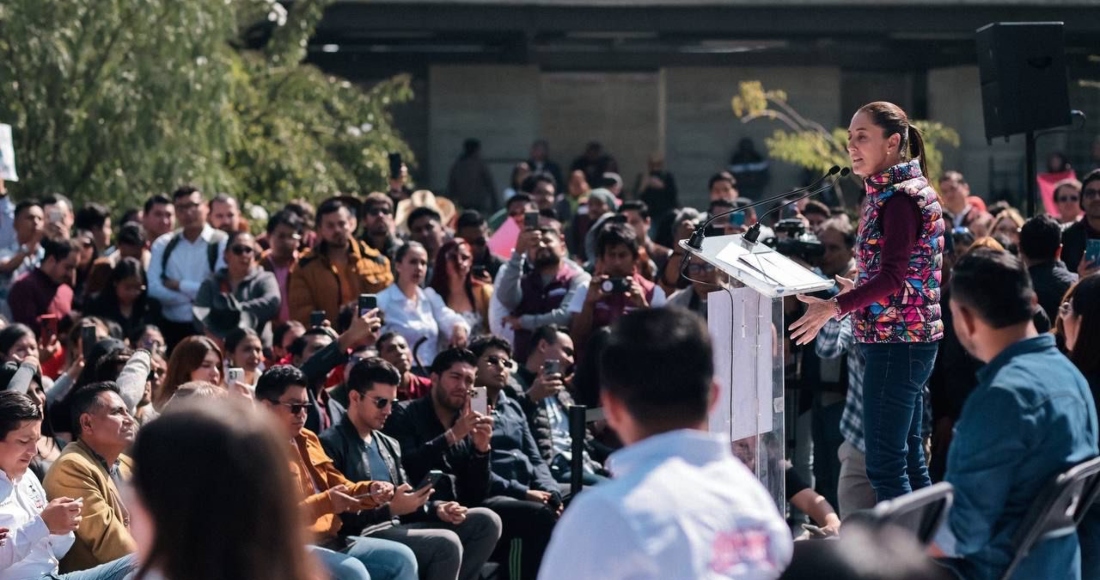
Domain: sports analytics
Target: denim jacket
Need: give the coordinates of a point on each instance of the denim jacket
(1030, 418)
(516, 463)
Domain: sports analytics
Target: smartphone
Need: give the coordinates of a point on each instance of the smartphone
(737, 218)
(551, 367)
(815, 531)
(479, 401)
(429, 480)
(234, 374)
(1092, 252)
(317, 318)
(531, 220)
(88, 339)
(479, 270)
(395, 165)
(48, 324)
(367, 302)
(616, 285)
(55, 215)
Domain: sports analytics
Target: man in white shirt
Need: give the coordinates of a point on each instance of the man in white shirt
(680, 505)
(181, 260)
(40, 533)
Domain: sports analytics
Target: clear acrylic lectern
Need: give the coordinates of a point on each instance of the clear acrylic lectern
(746, 324)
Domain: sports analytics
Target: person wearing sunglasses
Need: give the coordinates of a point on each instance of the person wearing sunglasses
(1067, 198)
(239, 295)
(450, 540)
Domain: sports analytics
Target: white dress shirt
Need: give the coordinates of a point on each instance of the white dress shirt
(189, 263)
(679, 506)
(30, 550)
(426, 317)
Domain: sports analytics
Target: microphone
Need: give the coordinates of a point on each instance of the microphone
(696, 240)
(754, 230)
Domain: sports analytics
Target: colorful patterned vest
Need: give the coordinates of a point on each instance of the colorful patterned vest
(540, 299)
(612, 307)
(913, 313)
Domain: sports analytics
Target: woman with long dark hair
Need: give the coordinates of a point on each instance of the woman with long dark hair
(124, 299)
(195, 358)
(452, 280)
(895, 300)
(177, 477)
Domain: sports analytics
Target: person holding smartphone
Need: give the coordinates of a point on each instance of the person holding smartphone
(1081, 240)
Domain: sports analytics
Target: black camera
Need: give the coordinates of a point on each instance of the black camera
(797, 243)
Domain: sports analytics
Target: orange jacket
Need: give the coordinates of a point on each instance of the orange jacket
(315, 285)
(315, 474)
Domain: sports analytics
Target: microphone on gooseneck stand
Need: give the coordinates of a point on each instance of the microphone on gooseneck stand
(754, 230)
(696, 241)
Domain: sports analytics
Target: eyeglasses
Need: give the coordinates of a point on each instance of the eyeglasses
(382, 402)
(1066, 309)
(498, 361)
(1090, 192)
(242, 250)
(1068, 199)
(295, 408)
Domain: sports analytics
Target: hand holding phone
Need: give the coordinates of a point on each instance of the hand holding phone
(367, 302)
(531, 220)
(88, 338)
(317, 318)
(479, 401)
(430, 479)
(1092, 252)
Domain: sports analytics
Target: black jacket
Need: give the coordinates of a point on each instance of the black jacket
(1074, 240)
(1051, 280)
(424, 447)
(538, 420)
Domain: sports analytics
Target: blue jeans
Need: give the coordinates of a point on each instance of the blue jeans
(113, 570)
(893, 385)
(367, 559)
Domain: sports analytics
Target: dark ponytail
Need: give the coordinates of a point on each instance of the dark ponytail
(916, 149)
(892, 119)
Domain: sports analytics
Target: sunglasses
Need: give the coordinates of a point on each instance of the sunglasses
(242, 250)
(295, 408)
(1068, 199)
(382, 402)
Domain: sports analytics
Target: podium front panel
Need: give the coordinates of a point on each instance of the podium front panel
(746, 332)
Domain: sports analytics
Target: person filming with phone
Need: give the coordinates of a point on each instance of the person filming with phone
(450, 540)
(1081, 240)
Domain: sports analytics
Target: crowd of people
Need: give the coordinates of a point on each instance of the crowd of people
(423, 377)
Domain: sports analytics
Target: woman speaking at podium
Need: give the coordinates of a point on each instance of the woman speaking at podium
(895, 300)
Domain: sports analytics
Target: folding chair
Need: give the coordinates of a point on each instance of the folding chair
(920, 512)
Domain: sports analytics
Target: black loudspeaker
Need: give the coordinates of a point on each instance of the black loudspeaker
(1025, 86)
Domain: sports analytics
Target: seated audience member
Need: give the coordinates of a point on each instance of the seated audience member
(48, 289)
(25, 377)
(284, 236)
(602, 205)
(521, 489)
(39, 533)
(420, 313)
(803, 497)
(229, 442)
(472, 227)
(131, 244)
(546, 400)
(196, 358)
(282, 336)
(450, 541)
(92, 469)
(616, 287)
(318, 352)
(394, 349)
(239, 295)
(637, 215)
(680, 505)
(124, 299)
(1030, 418)
(542, 295)
(862, 554)
(324, 492)
(339, 268)
(683, 224)
(1076, 237)
(244, 350)
(1041, 251)
(454, 282)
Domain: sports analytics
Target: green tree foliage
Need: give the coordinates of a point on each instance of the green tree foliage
(116, 99)
(808, 144)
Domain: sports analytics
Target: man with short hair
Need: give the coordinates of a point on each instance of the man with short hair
(48, 289)
(1067, 198)
(472, 227)
(225, 213)
(325, 493)
(284, 236)
(379, 230)
(130, 244)
(318, 352)
(339, 268)
(680, 506)
(955, 194)
(542, 188)
(1030, 418)
(394, 349)
(656, 255)
(158, 217)
(180, 261)
(815, 213)
(95, 218)
(704, 281)
(26, 253)
(616, 288)
(722, 186)
(542, 295)
(450, 540)
(1076, 237)
(539, 160)
(1041, 250)
(93, 468)
(426, 226)
(470, 183)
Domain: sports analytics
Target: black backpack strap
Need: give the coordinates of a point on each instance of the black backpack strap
(212, 248)
(168, 249)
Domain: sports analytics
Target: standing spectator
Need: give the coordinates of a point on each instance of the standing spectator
(683, 224)
(815, 213)
(158, 217)
(543, 190)
(473, 228)
(92, 469)
(177, 477)
(282, 337)
(616, 287)
(1076, 236)
(130, 244)
(225, 214)
(1008, 224)
(450, 540)
(47, 289)
(24, 254)
(284, 235)
(594, 162)
(722, 187)
(379, 230)
(658, 389)
(426, 228)
(1040, 249)
(59, 215)
(40, 532)
(453, 280)
(1030, 418)
(181, 261)
(339, 268)
(196, 358)
(519, 173)
(601, 207)
(658, 190)
(7, 218)
(124, 299)
(95, 218)
(955, 194)
(239, 295)
(398, 181)
(542, 295)
(656, 256)
(417, 313)
(393, 349)
(704, 281)
(470, 184)
(750, 168)
(539, 160)
(324, 492)
(1067, 198)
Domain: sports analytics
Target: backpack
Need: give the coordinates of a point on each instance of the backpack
(211, 250)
